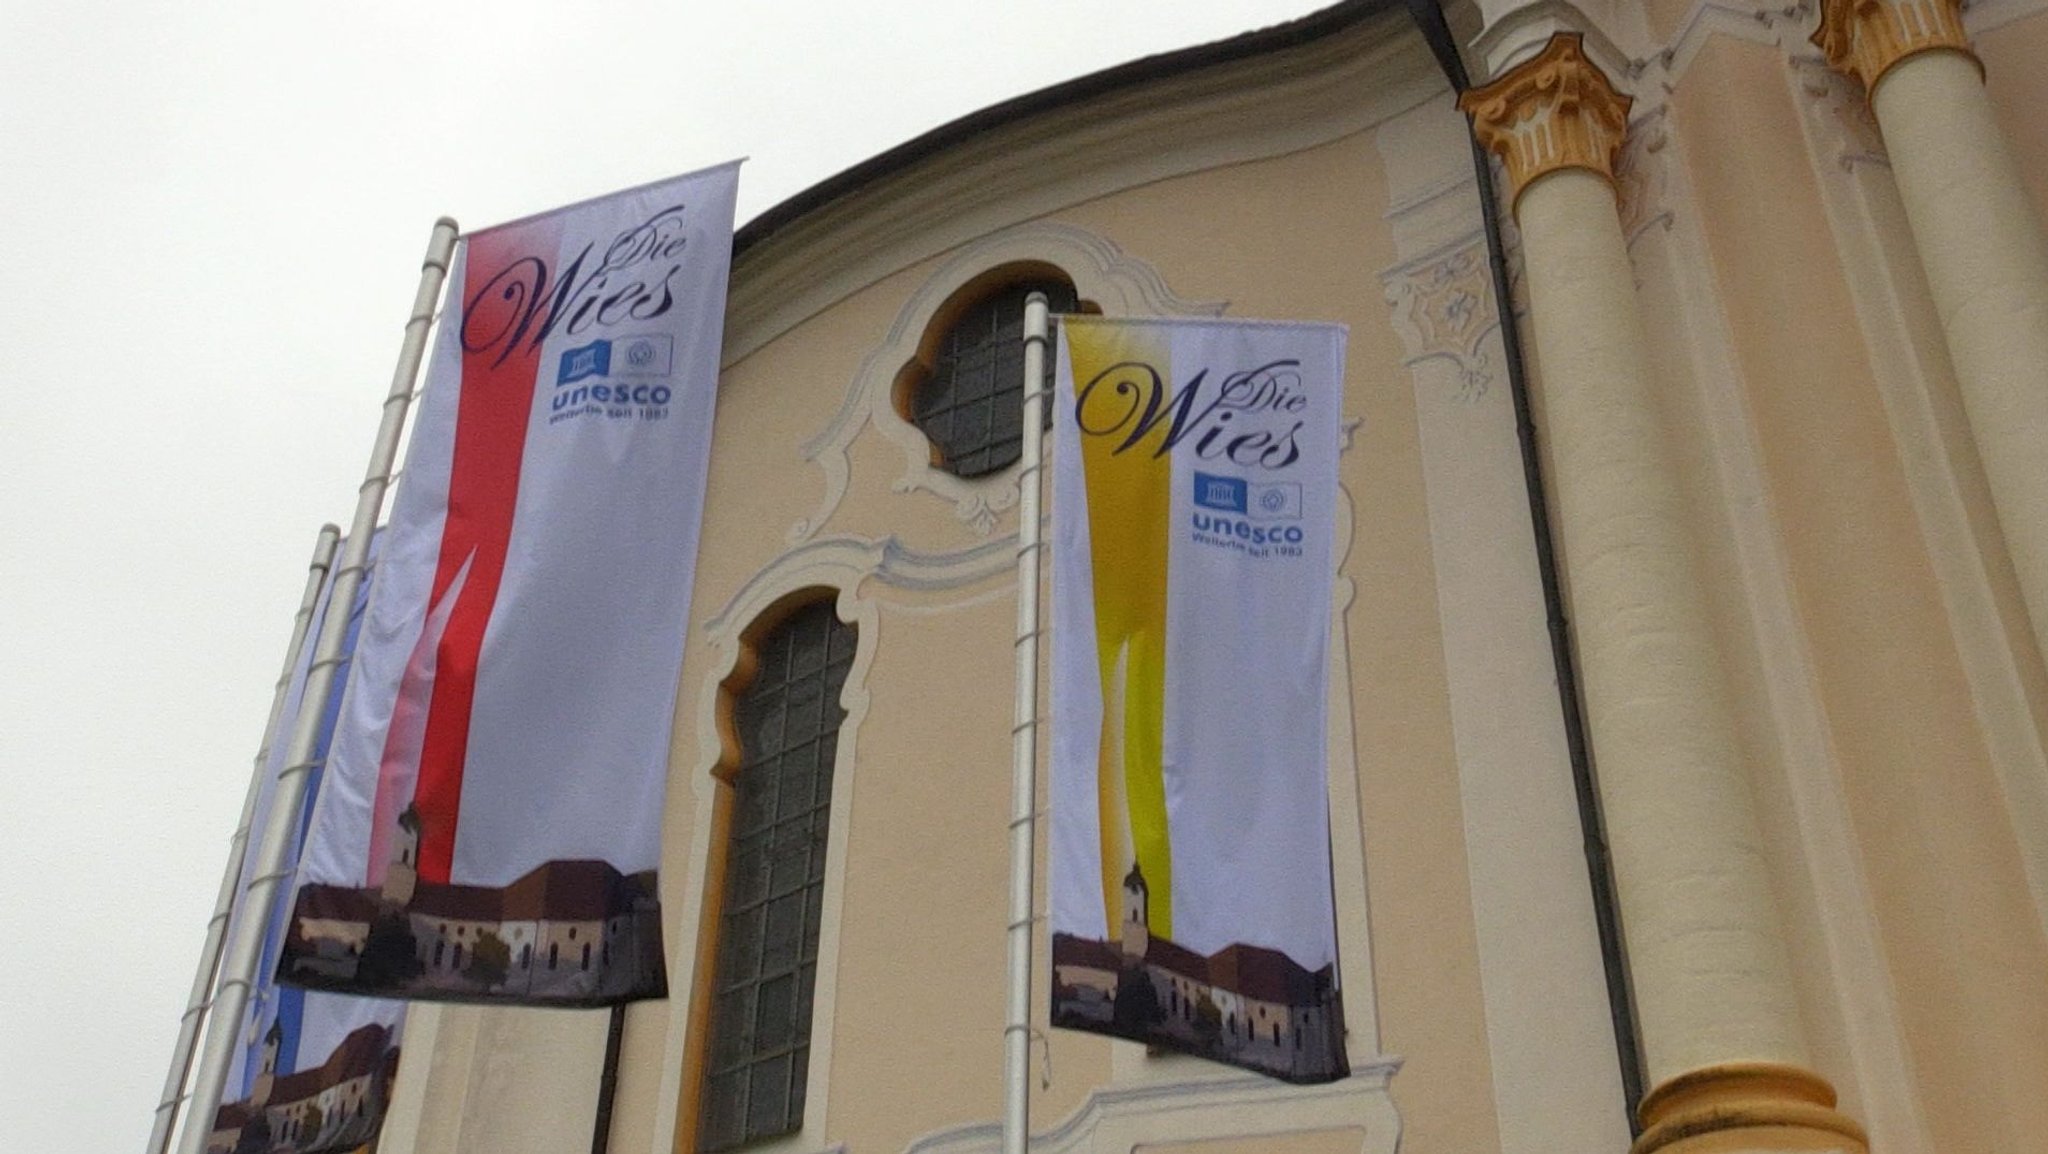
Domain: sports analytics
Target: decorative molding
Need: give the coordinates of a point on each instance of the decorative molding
(1347, 814)
(1268, 106)
(1842, 122)
(1443, 308)
(1519, 30)
(1127, 1117)
(840, 565)
(846, 562)
(1643, 178)
(1756, 23)
(860, 569)
(1118, 284)
(1981, 16)
(1440, 283)
(1555, 111)
(1867, 38)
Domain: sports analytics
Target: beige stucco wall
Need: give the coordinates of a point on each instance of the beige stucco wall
(914, 937)
(1889, 701)
(1248, 249)
(913, 1048)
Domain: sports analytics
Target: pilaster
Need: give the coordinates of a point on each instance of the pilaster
(1979, 239)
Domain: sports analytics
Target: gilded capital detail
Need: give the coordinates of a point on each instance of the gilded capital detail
(1865, 38)
(1554, 111)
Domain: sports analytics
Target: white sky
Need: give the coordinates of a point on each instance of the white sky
(211, 219)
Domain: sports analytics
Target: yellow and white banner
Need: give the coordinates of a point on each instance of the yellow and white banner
(1194, 501)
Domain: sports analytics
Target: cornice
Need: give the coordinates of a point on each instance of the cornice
(1987, 15)
(1219, 1105)
(1250, 109)
(1522, 33)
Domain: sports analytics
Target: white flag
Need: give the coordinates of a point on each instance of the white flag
(1194, 499)
(491, 826)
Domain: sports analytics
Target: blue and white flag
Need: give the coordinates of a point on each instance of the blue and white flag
(311, 1072)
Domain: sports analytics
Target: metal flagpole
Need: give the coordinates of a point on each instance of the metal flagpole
(245, 950)
(216, 926)
(1024, 737)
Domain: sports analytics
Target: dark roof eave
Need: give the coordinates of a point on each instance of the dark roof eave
(1304, 30)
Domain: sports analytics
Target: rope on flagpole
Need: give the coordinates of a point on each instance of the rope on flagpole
(245, 950)
(1024, 738)
(217, 926)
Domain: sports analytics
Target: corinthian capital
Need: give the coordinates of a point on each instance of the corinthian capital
(1554, 111)
(1865, 38)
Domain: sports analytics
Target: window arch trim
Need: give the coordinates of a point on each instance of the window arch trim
(798, 578)
(920, 372)
(1105, 277)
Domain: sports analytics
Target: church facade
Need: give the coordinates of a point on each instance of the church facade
(1689, 712)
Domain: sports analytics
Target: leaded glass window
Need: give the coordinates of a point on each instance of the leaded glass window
(787, 719)
(971, 405)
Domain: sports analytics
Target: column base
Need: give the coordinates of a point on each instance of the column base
(1746, 1108)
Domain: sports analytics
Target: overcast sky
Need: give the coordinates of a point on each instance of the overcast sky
(211, 219)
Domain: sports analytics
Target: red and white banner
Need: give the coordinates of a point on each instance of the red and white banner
(491, 821)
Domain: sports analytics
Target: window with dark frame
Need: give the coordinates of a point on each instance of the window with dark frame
(757, 1053)
(970, 406)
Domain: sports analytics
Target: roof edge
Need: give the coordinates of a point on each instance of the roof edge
(1303, 30)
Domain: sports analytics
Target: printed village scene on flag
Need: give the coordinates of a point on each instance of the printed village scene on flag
(311, 1073)
(1194, 490)
(491, 824)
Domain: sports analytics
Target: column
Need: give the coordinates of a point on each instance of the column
(1712, 979)
(1980, 242)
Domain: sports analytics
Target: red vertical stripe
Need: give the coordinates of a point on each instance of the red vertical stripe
(483, 491)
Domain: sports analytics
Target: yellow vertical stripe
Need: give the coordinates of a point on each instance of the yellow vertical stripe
(1129, 502)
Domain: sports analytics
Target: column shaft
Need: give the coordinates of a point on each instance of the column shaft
(1980, 242)
(1710, 972)
(1708, 964)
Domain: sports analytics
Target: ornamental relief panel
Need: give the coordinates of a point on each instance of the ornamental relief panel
(1443, 308)
(1835, 105)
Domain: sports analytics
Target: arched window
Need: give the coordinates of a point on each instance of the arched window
(966, 389)
(786, 716)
